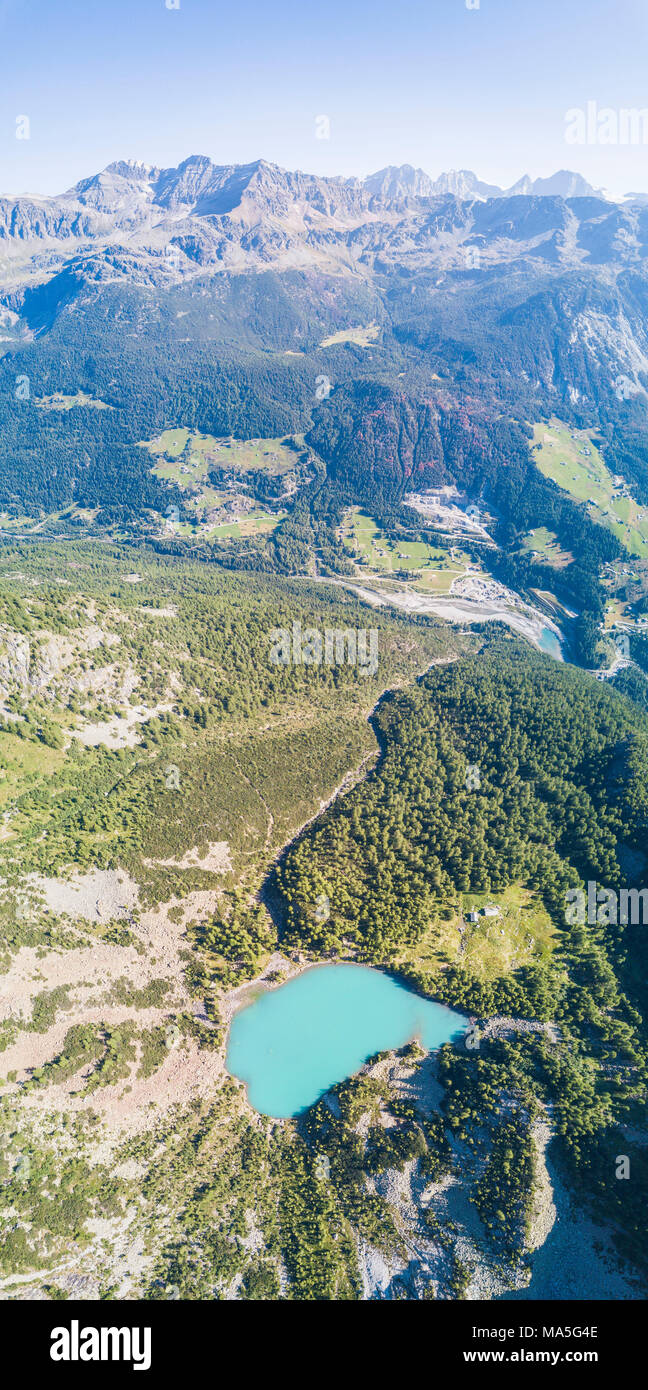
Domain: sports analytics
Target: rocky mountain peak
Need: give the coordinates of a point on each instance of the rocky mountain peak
(463, 183)
(399, 181)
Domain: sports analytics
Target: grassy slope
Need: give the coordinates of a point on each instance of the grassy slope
(560, 455)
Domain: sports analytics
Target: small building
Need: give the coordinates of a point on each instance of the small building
(490, 910)
(472, 916)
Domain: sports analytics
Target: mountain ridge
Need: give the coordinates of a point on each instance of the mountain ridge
(391, 181)
(149, 225)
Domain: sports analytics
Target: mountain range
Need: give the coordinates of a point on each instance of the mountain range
(153, 228)
(412, 332)
(404, 181)
(239, 216)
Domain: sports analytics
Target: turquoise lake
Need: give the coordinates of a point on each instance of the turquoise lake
(550, 644)
(294, 1042)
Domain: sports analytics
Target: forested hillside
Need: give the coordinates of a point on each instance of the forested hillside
(504, 769)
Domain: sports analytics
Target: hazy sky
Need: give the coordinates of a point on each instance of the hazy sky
(425, 82)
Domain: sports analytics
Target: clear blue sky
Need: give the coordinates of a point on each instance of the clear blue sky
(426, 82)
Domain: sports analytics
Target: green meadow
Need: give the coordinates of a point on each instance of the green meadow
(61, 402)
(185, 456)
(361, 337)
(431, 568)
(547, 547)
(572, 460)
